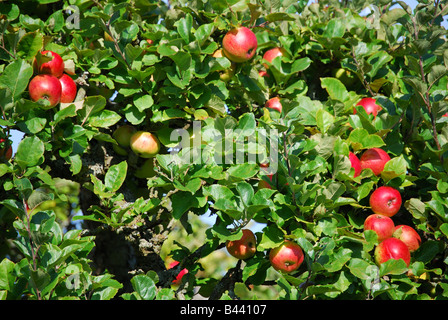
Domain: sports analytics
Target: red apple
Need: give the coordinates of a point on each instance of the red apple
(287, 257)
(5, 150)
(243, 248)
(69, 89)
(239, 44)
(382, 225)
(145, 144)
(271, 54)
(409, 236)
(392, 248)
(123, 136)
(45, 86)
(385, 200)
(370, 105)
(179, 276)
(55, 67)
(356, 164)
(375, 159)
(274, 103)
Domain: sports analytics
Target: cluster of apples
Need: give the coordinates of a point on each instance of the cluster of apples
(285, 258)
(51, 83)
(240, 45)
(395, 242)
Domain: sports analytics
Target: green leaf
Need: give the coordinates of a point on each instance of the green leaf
(393, 267)
(395, 167)
(144, 286)
(335, 28)
(30, 152)
(246, 192)
(104, 119)
(335, 88)
(7, 277)
(16, 76)
(243, 171)
(324, 120)
(184, 26)
(30, 44)
(272, 237)
(115, 176)
(359, 138)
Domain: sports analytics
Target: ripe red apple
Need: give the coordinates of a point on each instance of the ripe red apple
(287, 257)
(225, 75)
(69, 89)
(145, 144)
(382, 225)
(55, 67)
(179, 276)
(274, 103)
(385, 200)
(5, 150)
(239, 44)
(356, 164)
(370, 105)
(45, 86)
(409, 236)
(123, 137)
(271, 54)
(243, 248)
(375, 159)
(392, 248)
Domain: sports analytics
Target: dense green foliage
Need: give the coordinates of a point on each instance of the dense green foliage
(77, 223)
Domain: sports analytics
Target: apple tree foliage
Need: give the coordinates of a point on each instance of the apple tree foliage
(76, 222)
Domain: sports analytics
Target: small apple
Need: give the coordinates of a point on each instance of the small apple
(345, 76)
(392, 248)
(245, 247)
(146, 170)
(409, 236)
(382, 225)
(356, 164)
(239, 44)
(287, 257)
(45, 86)
(144, 144)
(123, 137)
(5, 150)
(375, 159)
(55, 66)
(370, 105)
(271, 54)
(386, 201)
(228, 74)
(68, 93)
(274, 103)
(179, 276)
